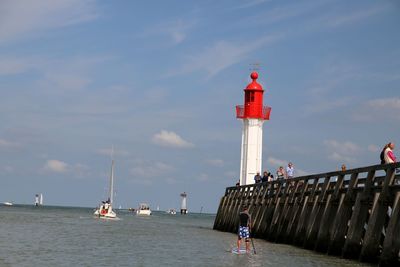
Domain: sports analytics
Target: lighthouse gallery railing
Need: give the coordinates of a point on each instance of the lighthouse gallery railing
(240, 112)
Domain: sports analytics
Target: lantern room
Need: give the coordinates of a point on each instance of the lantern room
(253, 101)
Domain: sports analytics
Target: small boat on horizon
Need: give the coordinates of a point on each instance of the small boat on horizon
(171, 211)
(144, 209)
(105, 210)
(7, 203)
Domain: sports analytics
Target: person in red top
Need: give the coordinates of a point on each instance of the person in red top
(389, 156)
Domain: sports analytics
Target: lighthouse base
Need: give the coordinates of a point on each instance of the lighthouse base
(251, 151)
(184, 211)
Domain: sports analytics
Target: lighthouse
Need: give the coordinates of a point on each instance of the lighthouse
(183, 204)
(253, 114)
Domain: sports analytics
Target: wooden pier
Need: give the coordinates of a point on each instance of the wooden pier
(354, 214)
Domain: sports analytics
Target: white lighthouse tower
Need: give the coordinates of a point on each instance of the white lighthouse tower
(183, 204)
(253, 114)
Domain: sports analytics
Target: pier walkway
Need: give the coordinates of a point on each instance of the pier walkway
(354, 214)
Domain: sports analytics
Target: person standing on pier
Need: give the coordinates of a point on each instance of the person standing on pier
(244, 228)
(343, 168)
(265, 177)
(280, 173)
(290, 171)
(257, 178)
(382, 155)
(389, 156)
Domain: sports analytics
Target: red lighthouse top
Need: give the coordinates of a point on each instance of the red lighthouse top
(253, 102)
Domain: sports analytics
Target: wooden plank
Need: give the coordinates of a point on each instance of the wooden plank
(261, 225)
(229, 220)
(269, 211)
(328, 216)
(305, 215)
(352, 245)
(285, 218)
(233, 195)
(316, 214)
(221, 206)
(296, 212)
(273, 227)
(254, 206)
(370, 248)
(391, 244)
(256, 218)
(340, 224)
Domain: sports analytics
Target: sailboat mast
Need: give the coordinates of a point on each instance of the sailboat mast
(111, 193)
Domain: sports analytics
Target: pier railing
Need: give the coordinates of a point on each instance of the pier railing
(353, 214)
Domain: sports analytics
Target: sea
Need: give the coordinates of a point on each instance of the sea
(69, 236)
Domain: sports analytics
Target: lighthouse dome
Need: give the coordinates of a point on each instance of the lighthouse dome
(254, 85)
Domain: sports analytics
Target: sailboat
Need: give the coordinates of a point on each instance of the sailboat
(105, 210)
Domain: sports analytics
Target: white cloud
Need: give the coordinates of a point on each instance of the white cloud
(170, 180)
(359, 15)
(215, 162)
(221, 55)
(80, 170)
(8, 144)
(148, 169)
(342, 151)
(77, 170)
(175, 30)
(251, 3)
(170, 139)
(10, 66)
(63, 81)
(385, 103)
(373, 148)
(335, 156)
(342, 147)
(19, 19)
(326, 105)
(54, 165)
(277, 162)
(203, 177)
(232, 174)
(8, 169)
(382, 109)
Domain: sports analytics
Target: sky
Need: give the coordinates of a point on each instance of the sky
(159, 82)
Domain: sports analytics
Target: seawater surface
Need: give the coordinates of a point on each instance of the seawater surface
(61, 236)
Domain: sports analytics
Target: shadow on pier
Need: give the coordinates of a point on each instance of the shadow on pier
(354, 214)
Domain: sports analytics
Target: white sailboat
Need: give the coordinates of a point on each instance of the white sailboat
(105, 209)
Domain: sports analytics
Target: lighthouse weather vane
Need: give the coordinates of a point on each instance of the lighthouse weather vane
(255, 66)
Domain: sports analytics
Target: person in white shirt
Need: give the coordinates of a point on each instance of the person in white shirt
(290, 171)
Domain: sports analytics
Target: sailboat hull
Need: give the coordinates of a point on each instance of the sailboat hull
(105, 215)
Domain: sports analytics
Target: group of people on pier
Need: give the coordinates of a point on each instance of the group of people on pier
(387, 156)
(281, 174)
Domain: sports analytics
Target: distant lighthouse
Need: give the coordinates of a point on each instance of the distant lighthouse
(183, 204)
(253, 114)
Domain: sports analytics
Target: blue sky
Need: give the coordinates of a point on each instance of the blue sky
(159, 80)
